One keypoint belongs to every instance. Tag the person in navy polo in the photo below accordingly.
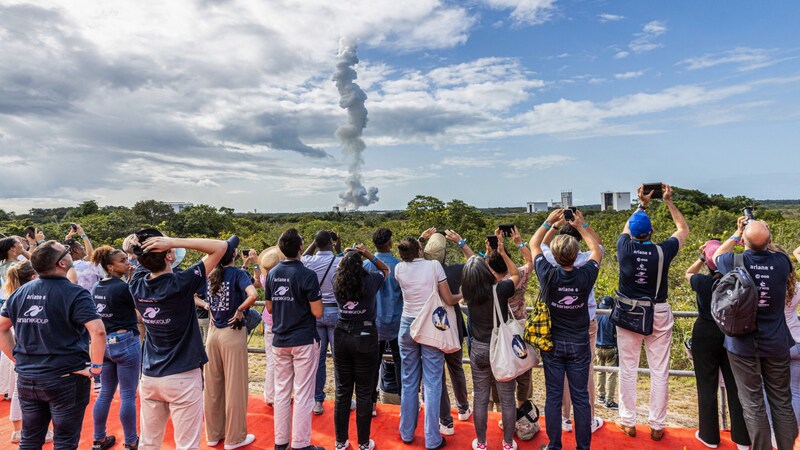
(173, 352)
(53, 322)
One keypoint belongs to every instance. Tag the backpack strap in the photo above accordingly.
(738, 260)
(660, 270)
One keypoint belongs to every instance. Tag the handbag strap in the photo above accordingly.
(546, 286)
(329, 269)
(497, 316)
(660, 270)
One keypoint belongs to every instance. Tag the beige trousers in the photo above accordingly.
(225, 394)
(179, 395)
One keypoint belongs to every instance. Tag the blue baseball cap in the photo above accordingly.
(639, 224)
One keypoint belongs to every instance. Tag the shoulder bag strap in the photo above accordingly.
(660, 270)
(498, 315)
(328, 270)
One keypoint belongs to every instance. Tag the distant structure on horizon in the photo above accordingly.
(566, 199)
(618, 201)
(534, 207)
(180, 206)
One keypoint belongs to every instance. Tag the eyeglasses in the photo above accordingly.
(66, 252)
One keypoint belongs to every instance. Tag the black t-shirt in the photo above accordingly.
(568, 298)
(453, 273)
(638, 267)
(115, 305)
(703, 286)
(771, 272)
(291, 287)
(481, 311)
(364, 307)
(173, 344)
(49, 317)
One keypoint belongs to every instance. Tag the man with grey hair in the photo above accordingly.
(760, 361)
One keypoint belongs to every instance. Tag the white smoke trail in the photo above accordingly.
(352, 99)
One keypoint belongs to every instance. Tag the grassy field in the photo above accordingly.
(682, 411)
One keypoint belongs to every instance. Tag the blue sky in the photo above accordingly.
(494, 102)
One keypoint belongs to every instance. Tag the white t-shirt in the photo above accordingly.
(791, 315)
(417, 279)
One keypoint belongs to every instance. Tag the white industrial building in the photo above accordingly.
(180, 206)
(534, 207)
(618, 201)
(566, 199)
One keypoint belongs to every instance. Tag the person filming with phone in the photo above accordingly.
(644, 268)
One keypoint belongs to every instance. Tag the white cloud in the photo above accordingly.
(525, 12)
(606, 17)
(628, 75)
(744, 58)
(621, 54)
(645, 41)
(532, 162)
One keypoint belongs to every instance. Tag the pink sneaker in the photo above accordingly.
(478, 445)
(511, 446)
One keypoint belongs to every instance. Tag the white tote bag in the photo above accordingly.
(509, 355)
(435, 325)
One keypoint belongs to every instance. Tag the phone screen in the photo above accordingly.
(506, 229)
(492, 241)
(655, 188)
(569, 215)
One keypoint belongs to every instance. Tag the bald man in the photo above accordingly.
(760, 361)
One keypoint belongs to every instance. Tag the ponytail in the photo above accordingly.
(215, 279)
(104, 255)
(17, 275)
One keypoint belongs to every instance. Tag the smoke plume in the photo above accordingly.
(352, 99)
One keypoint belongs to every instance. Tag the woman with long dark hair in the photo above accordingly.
(356, 353)
(709, 357)
(479, 285)
(123, 357)
(229, 293)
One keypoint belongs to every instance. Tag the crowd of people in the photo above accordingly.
(132, 320)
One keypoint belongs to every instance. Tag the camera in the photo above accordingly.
(747, 211)
(74, 226)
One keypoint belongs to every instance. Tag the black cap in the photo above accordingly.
(142, 236)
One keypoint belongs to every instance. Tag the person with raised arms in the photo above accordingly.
(172, 381)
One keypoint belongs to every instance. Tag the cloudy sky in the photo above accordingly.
(495, 102)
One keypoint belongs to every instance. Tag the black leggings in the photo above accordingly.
(356, 362)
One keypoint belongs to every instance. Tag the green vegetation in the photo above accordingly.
(708, 216)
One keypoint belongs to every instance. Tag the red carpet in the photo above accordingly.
(384, 432)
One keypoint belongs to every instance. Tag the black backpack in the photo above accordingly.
(734, 301)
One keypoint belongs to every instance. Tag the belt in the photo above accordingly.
(607, 346)
(353, 325)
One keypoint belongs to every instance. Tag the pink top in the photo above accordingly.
(266, 316)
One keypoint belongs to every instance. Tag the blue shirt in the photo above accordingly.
(49, 316)
(638, 267)
(389, 299)
(173, 342)
(567, 298)
(606, 332)
(115, 305)
(291, 287)
(771, 272)
(230, 296)
(319, 263)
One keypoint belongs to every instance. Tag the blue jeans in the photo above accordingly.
(121, 365)
(60, 398)
(426, 363)
(325, 326)
(572, 359)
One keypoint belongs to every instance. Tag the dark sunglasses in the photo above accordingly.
(66, 252)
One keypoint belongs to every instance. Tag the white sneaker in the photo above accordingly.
(465, 415)
(597, 423)
(247, 441)
(368, 446)
(352, 405)
(374, 410)
(342, 445)
(49, 436)
(697, 436)
(318, 410)
(478, 445)
(16, 436)
(447, 430)
(742, 447)
(566, 424)
(212, 443)
(511, 446)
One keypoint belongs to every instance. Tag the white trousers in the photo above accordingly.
(269, 376)
(657, 347)
(295, 369)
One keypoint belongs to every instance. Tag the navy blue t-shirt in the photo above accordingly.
(568, 298)
(364, 307)
(115, 305)
(49, 316)
(771, 272)
(173, 344)
(638, 267)
(230, 296)
(290, 287)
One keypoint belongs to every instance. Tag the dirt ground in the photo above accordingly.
(682, 410)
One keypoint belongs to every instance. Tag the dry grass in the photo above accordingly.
(682, 410)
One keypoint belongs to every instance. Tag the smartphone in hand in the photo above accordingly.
(506, 229)
(655, 188)
(492, 241)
